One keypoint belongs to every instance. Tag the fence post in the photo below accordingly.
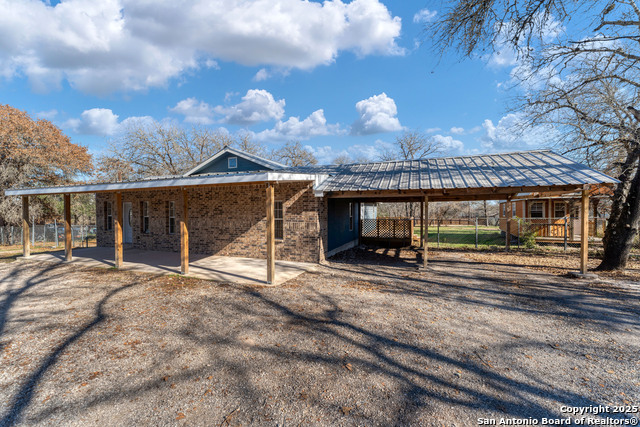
(13, 239)
(565, 233)
(518, 240)
(33, 232)
(476, 232)
(438, 233)
(55, 230)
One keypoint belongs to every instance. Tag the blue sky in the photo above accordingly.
(340, 77)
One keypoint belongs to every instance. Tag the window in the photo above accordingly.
(171, 217)
(350, 216)
(232, 162)
(108, 216)
(537, 210)
(504, 209)
(513, 209)
(144, 217)
(278, 215)
(559, 209)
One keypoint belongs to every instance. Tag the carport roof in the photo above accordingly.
(525, 169)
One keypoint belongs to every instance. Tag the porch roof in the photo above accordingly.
(169, 182)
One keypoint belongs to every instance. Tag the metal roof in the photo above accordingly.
(173, 181)
(511, 170)
(519, 169)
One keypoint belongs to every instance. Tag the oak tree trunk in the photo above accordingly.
(624, 221)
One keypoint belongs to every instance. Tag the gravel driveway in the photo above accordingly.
(366, 340)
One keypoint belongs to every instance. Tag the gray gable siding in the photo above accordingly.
(221, 165)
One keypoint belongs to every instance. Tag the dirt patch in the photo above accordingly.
(366, 340)
(554, 263)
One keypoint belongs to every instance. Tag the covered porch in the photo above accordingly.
(210, 267)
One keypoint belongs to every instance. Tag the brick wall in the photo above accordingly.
(227, 220)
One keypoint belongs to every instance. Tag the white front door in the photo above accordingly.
(127, 230)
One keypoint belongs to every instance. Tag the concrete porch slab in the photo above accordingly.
(217, 268)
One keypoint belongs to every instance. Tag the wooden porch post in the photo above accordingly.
(184, 234)
(507, 239)
(421, 222)
(26, 243)
(584, 233)
(118, 231)
(271, 231)
(425, 232)
(67, 228)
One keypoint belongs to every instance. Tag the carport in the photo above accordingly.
(467, 178)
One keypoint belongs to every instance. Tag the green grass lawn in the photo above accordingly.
(463, 236)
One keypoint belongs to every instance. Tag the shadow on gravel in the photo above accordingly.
(23, 398)
(396, 360)
(498, 285)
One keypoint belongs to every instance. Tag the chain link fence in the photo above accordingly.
(47, 236)
(543, 234)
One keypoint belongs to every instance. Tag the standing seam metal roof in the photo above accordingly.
(519, 169)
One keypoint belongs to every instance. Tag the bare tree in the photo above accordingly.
(342, 159)
(155, 149)
(412, 145)
(586, 85)
(293, 153)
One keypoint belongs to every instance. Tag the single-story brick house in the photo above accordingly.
(239, 204)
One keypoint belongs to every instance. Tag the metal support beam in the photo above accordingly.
(118, 231)
(271, 231)
(584, 231)
(26, 245)
(184, 234)
(67, 228)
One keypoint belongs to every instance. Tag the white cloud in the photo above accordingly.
(256, 106)
(424, 16)
(456, 130)
(96, 121)
(433, 130)
(261, 75)
(194, 111)
(102, 122)
(124, 45)
(377, 115)
(511, 133)
(294, 128)
(448, 144)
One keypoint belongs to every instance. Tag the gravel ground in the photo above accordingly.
(366, 340)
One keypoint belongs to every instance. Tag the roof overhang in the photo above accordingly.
(176, 182)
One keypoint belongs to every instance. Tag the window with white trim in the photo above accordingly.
(232, 162)
(559, 209)
(108, 216)
(144, 217)
(536, 210)
(513, 209)
(504, 209)
(278, 216)
(171, 217)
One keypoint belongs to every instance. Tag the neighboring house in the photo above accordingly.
(548, 212)
(238, 204)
